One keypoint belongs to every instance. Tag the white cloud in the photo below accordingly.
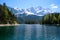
(53, 6)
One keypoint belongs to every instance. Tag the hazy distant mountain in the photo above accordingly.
(35, 18)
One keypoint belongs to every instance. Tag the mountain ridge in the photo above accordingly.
(31, 11)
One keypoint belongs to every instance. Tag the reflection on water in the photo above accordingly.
(30, 32)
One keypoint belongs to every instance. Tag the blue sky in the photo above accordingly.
(54, 5)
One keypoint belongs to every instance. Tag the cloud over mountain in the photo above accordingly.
(54, 6)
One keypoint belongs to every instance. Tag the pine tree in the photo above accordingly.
(5, 12)
(6, 16)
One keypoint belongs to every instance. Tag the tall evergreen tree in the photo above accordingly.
(5, 12)
(6, 16)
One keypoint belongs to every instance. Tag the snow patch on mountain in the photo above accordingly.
(29, 13)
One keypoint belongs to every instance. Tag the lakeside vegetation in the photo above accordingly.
(52, 18)
(6, 16)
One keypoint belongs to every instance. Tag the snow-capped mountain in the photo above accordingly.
(35, 14)
(38, 11)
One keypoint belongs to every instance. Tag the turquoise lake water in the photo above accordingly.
(30, 32)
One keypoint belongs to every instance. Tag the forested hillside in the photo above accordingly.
(52, 18)
(6, 16)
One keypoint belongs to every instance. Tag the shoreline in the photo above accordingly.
(9, 24)
(29, 24)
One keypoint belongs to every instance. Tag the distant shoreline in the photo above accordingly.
(19, 24)
(9, 24)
